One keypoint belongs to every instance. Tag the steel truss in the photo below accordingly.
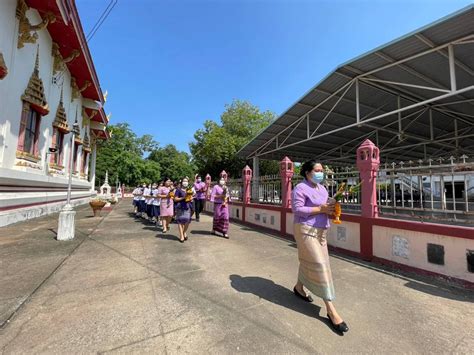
(417, 107)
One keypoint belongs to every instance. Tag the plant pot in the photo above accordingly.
(97, 206)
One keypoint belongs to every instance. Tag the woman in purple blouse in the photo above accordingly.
(312, 208)
(183, 208)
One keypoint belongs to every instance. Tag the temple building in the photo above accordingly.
(49, 96)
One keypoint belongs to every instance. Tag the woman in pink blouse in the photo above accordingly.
(166, 205)
(312, 208)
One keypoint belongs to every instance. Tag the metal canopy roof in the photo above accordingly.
(413, 97)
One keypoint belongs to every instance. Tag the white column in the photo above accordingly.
(256, 178)
(93, 158)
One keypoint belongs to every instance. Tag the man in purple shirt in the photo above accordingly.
(200, 188)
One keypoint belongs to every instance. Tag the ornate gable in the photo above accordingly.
(60, 121)
(86, 144)
(34, 93)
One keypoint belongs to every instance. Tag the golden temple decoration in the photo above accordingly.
(34, 93)
(86, 144)
(55, 166)
(86, 119)
(60, 121)
(74, 54)
(58, 64)
(27, 33)
(75, 94)
(105, 95)
(87, 83)
(27, 156)
(3, 67)
(77, 133)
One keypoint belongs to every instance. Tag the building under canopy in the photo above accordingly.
(413, 97)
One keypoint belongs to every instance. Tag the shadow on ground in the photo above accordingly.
(272, 292)
(422, 283)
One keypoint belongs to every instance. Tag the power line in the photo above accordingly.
(101, 19)
(96, 27)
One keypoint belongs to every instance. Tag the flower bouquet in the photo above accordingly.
(189, 194)
(171, 194)
(225, 194)
(341, 192)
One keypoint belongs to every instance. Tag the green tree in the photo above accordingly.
(174, 164)
(122, 157)
(216, 145)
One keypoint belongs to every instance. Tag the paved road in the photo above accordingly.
(126, 288)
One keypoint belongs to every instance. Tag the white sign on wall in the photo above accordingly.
(341, 233)
(400, 247)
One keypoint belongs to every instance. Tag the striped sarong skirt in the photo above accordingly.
(220, 223)
(183, 216)
(314, 270)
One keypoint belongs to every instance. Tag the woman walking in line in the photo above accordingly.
(141, 202)
(155, 211)
(148, 193)
(183, 199)
(166, 206)
(220, 197)
(136, 200)
(200, 188)
(311, 209)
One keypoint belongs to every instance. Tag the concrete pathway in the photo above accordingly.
(124, 287)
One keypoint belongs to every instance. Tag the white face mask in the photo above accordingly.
(198, 180)
(185, 184)
(222, 182)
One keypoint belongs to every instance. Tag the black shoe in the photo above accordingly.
(306, 298)
(341, 327)
(197, 219)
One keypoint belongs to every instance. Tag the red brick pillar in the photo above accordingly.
(208, 187)
(368, 162)
(286, 173)
(246, 178)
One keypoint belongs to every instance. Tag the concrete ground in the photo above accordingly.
(123, 287)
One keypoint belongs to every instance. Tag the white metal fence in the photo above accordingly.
(267, 189)
(236, 188)
(439, 190)
(431, 190)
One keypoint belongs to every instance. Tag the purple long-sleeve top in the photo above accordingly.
(200, 188)
(305, 198)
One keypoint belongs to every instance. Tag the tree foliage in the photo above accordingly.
(216, 145)
(122, 157)
(174, 164)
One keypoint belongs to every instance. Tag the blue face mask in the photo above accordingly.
(317, 177)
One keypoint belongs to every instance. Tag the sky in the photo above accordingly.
(169, 65)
